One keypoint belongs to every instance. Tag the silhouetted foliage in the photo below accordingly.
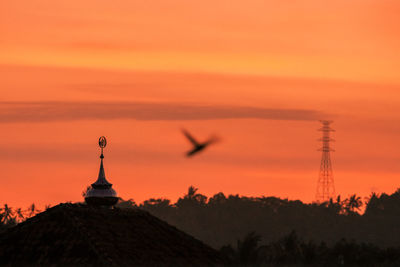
(7, 214)
(293, 251)
(126, 204)
(327, 230)
(86, 190)
(10, 217)
(221, 220)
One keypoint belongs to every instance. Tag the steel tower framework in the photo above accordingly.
(325, 186)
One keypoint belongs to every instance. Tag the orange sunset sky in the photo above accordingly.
(258, 73)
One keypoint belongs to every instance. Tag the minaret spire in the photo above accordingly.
(101, 171)
(101, 180)
(101, 193)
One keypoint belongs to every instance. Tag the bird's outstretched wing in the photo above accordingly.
(213, 139)
(191, 138)
(191, 152)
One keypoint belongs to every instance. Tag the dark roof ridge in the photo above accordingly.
(82, 235)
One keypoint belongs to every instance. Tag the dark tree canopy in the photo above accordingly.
(250, 230)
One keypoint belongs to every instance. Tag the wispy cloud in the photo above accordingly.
(70, 111)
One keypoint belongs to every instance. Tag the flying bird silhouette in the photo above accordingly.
(198, 146)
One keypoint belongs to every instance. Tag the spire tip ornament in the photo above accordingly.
(102, 144)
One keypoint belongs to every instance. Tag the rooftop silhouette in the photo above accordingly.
(76, 234)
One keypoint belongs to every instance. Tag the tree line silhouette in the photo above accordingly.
(10, 217)
(291, 250)
(221, 220)
(256, 229)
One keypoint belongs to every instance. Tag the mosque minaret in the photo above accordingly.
(101, 192)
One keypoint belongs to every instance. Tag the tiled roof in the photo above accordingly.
(79, 235)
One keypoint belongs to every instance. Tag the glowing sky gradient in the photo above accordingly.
(257, 73)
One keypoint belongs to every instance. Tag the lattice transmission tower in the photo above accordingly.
(326, 186)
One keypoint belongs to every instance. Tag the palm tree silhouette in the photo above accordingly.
(192, 195)
(354, 203)
(191, 192)
(7, 213)
(19, 214)
(32, 210)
